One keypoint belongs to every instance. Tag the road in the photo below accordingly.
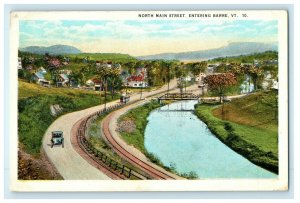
(66, 160)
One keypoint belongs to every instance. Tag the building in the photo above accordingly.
(62, 80)
(20, 63)
(211, 68)
(42, 70)
(39, 78)
(137, 81)
(269, 81)
(200, 78)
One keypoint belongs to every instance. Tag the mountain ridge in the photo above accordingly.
(54, 49)
(232, 49)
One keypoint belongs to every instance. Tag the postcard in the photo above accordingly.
(149, 100)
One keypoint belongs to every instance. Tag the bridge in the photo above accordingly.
(178, 96)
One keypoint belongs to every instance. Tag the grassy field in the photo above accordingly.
(248, 125)
(115, 57)
(34, 110)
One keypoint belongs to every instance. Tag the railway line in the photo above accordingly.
(118, 148)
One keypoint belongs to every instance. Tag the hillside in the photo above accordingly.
(116, 57)
(55, 49)
(248, 126)
(34, 110)
(232, 49)
(264, 56)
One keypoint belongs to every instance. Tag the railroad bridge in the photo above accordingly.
(178, 96)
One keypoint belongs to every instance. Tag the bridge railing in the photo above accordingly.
(179, 96)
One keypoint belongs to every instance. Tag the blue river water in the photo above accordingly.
(179, 139)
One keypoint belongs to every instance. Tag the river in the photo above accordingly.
(179, 139)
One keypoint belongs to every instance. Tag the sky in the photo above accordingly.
(141, 37)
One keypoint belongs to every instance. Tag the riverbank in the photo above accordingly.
(257, 143)
(131, 127)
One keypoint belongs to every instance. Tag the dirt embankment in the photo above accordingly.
(31, 168)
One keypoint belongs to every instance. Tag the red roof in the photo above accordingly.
(137, 78)
(96, 81)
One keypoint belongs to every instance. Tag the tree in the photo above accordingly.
(199, 67)
(254, 73)
(180, 73)
(104, 74)
(219, 82)
(167, 71)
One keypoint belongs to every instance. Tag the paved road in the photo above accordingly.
(67, 161)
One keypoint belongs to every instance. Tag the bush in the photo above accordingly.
(228, 127)
(191, 175)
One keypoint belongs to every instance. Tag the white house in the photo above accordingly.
(269, 82)
(136, 81)
(200, 78)
(188, 78)
(42, 70)
(62, 80)
(39, 78)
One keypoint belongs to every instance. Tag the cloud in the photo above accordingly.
(142, 37)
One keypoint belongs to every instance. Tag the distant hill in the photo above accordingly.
(54, 50)
(232, 49)
(115, 57)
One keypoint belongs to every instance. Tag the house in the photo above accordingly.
(97, 84)
(67, 72)
(269, 81)
(89, 82)
(211, 68)
(39, 78)
(62, 80)
(136, 81)
(200, 78)
(188, 78)
(19, 63)
(42, 70)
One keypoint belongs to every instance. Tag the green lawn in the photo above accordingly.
(248, 133)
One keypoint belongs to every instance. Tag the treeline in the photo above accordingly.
(265, 56)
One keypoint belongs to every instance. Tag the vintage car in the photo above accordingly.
(57, 138)
(124, 99)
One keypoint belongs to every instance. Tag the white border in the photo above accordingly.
(178, 185)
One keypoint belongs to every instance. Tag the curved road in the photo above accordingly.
(66, 160)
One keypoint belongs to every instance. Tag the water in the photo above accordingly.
(180, 139)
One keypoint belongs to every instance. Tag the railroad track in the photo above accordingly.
(118, 148)
(113, 168)
(100, 160)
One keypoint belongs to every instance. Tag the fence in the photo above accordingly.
(119, 169)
